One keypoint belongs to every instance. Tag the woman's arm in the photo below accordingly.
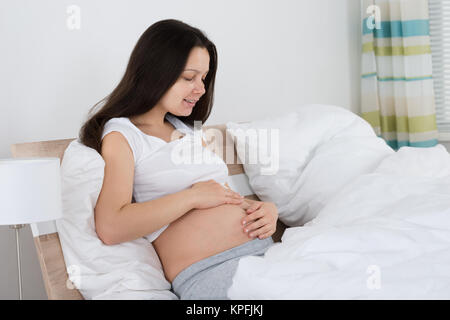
(118, 220)
(135, 220)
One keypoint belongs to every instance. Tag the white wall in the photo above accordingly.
(273, 55)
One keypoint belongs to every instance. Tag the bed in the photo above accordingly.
(46, 239)
(357, 220)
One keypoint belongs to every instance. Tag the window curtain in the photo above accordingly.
(396, 83)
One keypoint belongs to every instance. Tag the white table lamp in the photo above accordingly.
(30, 192)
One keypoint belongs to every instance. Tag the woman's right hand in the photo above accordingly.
(209, 194)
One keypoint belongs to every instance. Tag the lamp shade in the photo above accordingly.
(30, 190)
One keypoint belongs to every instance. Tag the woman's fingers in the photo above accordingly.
(263, 230)
(253, 207)
(233, 194)
(266, 235)
(259, 222)
(252, 216)
(233, 198)
(255, 225)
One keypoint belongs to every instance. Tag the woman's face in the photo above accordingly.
(189, 86)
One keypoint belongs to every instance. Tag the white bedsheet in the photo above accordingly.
(385, 235)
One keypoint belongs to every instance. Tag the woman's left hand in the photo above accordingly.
(261, 220)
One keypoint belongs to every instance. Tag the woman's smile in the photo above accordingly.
(189, 104)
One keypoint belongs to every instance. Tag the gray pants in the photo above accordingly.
(211, 277)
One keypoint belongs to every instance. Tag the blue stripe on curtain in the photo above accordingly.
(405, 79)
(374, 74)
(393, 29)
(395, 144)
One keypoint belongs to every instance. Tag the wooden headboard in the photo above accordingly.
(49, 251)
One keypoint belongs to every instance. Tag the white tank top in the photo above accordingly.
(162, 168)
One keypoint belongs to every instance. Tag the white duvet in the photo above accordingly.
(377, 221)
(383, 235)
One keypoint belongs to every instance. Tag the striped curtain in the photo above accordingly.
(396, 83)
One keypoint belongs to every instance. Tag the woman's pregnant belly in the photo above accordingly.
(198, 234)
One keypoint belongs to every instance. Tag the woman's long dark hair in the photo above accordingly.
(155, 64)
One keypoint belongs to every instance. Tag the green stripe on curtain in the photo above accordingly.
(373, 118)
(401, 124)
(397, 50)
(367, 47)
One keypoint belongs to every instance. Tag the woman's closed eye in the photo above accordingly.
(192, 79)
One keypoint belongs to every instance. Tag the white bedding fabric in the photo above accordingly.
(320, 149)
(384, 235)
(379, 221)
(129, 270)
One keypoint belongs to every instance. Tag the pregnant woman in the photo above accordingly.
(198, 226)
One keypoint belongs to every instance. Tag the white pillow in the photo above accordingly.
(314, 151)
(130, 270)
